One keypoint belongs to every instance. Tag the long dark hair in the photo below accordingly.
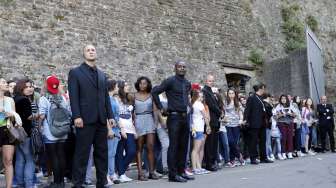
(235, 99)
(20, 86)
(111, 84)
(287, 100)
(220, 101)
(312, 105)
(122, 95)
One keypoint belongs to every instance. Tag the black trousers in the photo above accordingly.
(324, 130)
(56, 154)
(257, 137)
(178, 132)
(211, 148)
(95, 134)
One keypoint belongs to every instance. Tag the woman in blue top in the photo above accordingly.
(114, 132)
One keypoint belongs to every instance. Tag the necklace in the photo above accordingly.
(261, 103)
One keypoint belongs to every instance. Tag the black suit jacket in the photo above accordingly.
(89, 100)
(323, 114)
(254, 113)
(214, 108)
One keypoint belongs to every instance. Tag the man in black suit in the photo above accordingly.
(211, 142)
(177, 90)
(92, 114)
(326, 123)
(254, 116)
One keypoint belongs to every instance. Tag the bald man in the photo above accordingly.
(325, 114)
(211, 142)
(92, 115)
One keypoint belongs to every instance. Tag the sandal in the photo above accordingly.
(142, 178)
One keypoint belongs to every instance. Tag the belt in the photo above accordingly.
(178, 113)
(144, 113)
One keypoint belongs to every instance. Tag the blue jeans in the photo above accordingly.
(313, 135)
(112, 150)
(224, 144)
(277, 145)
(129, 146)
(24, 165)
(233, 134)
(268, 143)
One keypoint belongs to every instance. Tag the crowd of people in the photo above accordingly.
(176, 128)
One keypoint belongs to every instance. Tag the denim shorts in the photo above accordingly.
(199, 136)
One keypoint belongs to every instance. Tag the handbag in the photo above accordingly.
(17, 134)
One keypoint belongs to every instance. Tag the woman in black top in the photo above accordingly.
(24, 164)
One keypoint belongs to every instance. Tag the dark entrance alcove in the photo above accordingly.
(237, 81)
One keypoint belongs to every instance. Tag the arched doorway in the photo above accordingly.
(237, 81)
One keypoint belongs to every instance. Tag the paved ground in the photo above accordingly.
(309, 172)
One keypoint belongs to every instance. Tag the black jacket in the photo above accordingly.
(177, 89)
(254, 112)
(89, 99)
(214, 108)
(23, 108)
(323, 114)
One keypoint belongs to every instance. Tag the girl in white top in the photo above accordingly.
(200, 119)
(126, 148)
(7, 107)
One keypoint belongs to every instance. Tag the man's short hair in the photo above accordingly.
(259, 86)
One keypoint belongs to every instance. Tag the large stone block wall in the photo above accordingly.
(145, 37)
(133, 37)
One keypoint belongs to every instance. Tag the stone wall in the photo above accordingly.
(145, 37)
(133, 37)
(288, 75)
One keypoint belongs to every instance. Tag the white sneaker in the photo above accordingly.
(115, 177)
(290, 155)
(280, 157)
(284, 156)
(300, 154)
(109, 181)
(123, 178)
(272, 157)
(310, 152)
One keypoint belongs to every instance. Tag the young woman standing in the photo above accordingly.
(234, 117)
(7, 107)
(145, 113)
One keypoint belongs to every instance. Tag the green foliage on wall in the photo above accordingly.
(255, 57)
(312, 23)
(292, 28)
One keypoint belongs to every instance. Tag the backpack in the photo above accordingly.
(60, 121)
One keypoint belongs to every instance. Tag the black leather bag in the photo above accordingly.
(17, 134)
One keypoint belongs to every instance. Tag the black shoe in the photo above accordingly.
(177, 178)
(212, 168)
(254, 162)
(333, 151)
(266, 161)
(78, 186)
(88, 184)
(116, 181)
(187, 177)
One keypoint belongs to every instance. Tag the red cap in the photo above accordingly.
(52, 84)
(195, 86)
